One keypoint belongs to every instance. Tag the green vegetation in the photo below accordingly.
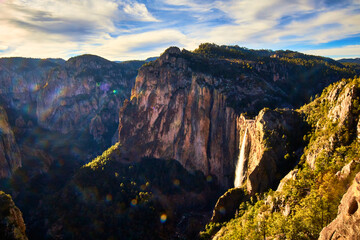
(282, 76)
(110, 198)
(304, 206)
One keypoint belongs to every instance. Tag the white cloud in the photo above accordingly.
(49, 28)
(138, 11)
(134, 46)
(339, 52)
(3, 47)
(278, 22)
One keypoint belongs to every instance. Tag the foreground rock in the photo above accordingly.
(347, 223)
(12, 225)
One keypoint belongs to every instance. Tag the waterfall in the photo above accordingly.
(240, 165)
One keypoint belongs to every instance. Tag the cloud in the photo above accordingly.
(65, 18)
(142, 45)
(3, 47)
(127, 29)
(138, 12)
(278, 22)
(338, 52)
(71, 17)
(47, 28)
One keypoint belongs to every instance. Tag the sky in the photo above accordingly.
(128, 29)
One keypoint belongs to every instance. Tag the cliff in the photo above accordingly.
(10, 157)
(185, 104)
(307, 198)
(173, 113)
(59, 109)
(347, 224)
(273, 146)
(82, 94)
(334, 120)
(12, 225)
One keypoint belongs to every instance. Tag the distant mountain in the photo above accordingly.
(350, 60)
(151, 59)
(82, 94)
(146, 60)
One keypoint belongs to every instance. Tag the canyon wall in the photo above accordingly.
(273, 146)
(174, 113)
(186, 106)
(10, 157)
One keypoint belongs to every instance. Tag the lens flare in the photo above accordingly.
(134, 202)
(109, 197)
(176, 182)
(163, 218)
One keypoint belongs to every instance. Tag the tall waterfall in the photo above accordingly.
(239, 172)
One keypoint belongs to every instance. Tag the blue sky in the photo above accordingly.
(127, 29)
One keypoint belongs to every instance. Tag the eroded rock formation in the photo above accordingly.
(347, 223)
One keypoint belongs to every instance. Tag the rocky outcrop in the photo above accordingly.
(12, 225)
(348, 169)
(290, 176)
(10, 157)
(347, 223)
(273, 147)
(228, 204)
(337, 120)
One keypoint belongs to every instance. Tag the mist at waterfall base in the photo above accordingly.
(240, 166)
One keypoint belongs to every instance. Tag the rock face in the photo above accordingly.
(185, 106)
(347, 223)
(81, 94)
(87, 90)
(56, 106)
(21, 79)
(12, 225)
(174, 114)
(10, 157)
(272, 147)
(340, 103)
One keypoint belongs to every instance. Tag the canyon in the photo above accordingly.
(175, 128)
